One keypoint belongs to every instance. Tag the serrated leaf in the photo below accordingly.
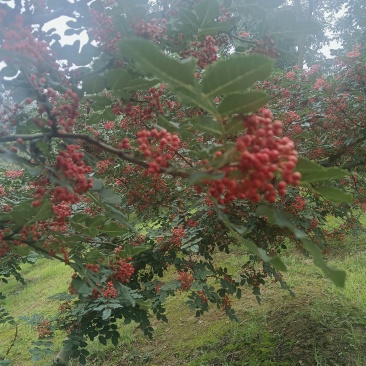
(140, 84)
(207, 10)
(97, 184)
(235, 74)
(144, 304)
(334, 195)
(313, 172)
(113, 230)
(94, 84)
(277, 263)
(178, 74)
(81, 287)
(207, 124)
(108, 196)
(242, 103)
(213, 28)
(132, 251)
(235, 125)
(152, 60)
(337, 276)
(117, 79)
(106, 313)
(277, 217)
(199, 176)
(119, 216)
(169, 126)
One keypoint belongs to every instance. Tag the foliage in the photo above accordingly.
(150, 147)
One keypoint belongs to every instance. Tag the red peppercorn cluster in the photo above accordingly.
(44, 329)
(122, 269)
(186, 279)
(259, 154)
(92, 267)
(161, 152)
(205, 51)
(150, 104)
(109, 291)
(20, 40)
(150, 30)
(71, 164)
(62, 210)
(103, 31)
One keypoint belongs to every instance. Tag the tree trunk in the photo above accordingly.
(63, 357)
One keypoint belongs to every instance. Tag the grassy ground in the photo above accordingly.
(322, 325)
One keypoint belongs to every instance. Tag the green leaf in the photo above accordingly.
(117, 79)
(334, 195)
(235, 74)
(106, 313)
(108, 196)
(242, 103)
(277, 217)
(277, 263)
(94, 84)
(313, 172)
(207, 124)
(207, 10)
(190, 19)
(198, 176)
(132, 251)
(81, 287)
(152, 60)
(119, 216)
(94, 222)
(337, 276)
(235, 125)
(213, 28)
(94, 118)
(144, 304)
(169, 126)
(113, 230)
(140, 84)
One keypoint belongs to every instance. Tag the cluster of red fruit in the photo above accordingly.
(20, 40)
(150, 30)
(44, 329)
(161, 152)
(258, 156)
(109, 291)
(186, 280)
(205, 51)
(123, 270)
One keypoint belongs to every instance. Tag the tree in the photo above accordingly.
(151, 147)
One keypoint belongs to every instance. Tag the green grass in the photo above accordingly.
(323, 325)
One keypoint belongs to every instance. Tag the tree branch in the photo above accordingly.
(102, 145)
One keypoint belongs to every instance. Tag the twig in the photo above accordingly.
(13, 342)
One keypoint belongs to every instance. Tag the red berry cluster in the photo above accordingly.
(186, 279)
(150, 30)
(205, 51)
(71, 164)
(92, 267)
(20, 40)
(109, 291)
(151, 103)
(44, 329)
(62, 210)
(161, 152)
(103, 31)
(122, 269)
(258, 155)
